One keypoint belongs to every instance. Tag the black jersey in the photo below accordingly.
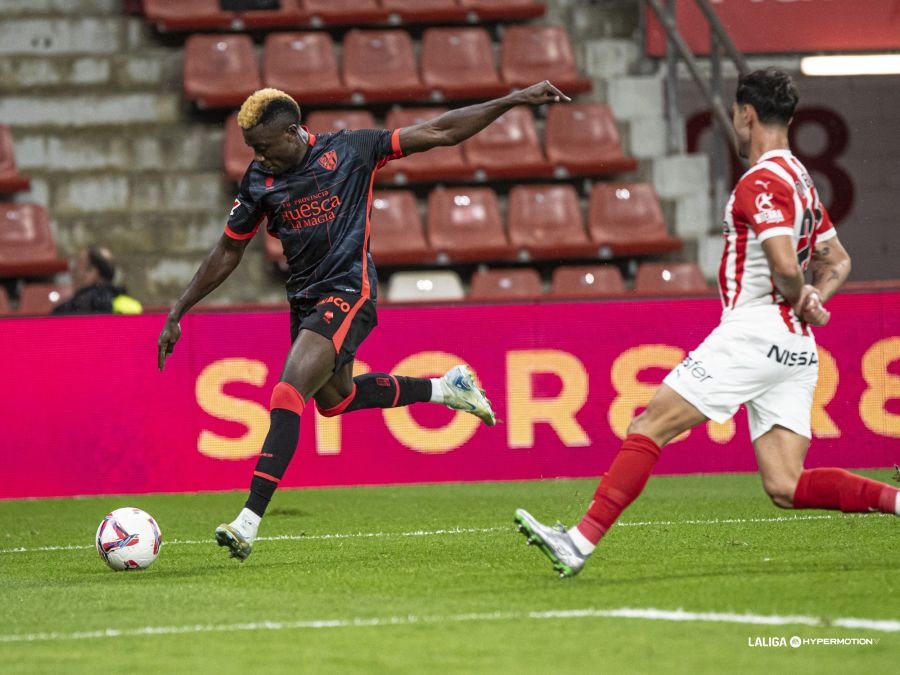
(320, 211)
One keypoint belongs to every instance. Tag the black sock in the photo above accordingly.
(380, 390)
(276, 454)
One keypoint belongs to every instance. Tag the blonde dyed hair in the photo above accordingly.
(255, 106)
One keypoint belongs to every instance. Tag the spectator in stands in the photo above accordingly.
(95, 292)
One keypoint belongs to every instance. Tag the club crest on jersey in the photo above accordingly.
(329, 160)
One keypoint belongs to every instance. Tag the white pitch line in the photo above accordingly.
(430, 533)
(648, 614)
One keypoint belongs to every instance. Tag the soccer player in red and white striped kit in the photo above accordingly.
(762, 354)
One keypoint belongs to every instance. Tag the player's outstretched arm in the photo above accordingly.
(218, 264)
(830, 267)
(455, 126)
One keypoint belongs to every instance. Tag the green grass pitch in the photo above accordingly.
(435, 579)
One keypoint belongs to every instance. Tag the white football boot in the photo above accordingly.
(461, 392)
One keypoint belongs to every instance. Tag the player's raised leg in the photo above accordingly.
(457, 389)
(666, 416)
(780, 453)
(308, 366)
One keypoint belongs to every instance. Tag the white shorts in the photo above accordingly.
(752, 358)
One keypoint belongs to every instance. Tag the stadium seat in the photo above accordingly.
(545, 221)
(425, 286)
(507, 148)
(343, 12)
(397, 236)
(503, 10)
(305, 66)
(594, 281)
(662, 278)
(238, 154)
(5, 307)
(423, 11)
(530, 54)
(380, 65)
(464, 224)
(518, 284)
(185, 15)
(220, 70)
(438, 164)
(40, 299)
(625, 219)
(289, 14)
(27, 248)
(584, 139)
(10, 178)
(324, 121)
(459, 63)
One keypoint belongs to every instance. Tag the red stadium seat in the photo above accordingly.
(584, 139)
(437, 164)
(530, 54)
(508, 148)
(464, 224)
(519, 284)
(305, 66)
(661, 278)
(238, 154)
(10, 178)
(5, 307)
(424, 11)
(459, 63)
(27, 248)
(397, 236)
(625, 219)
(220, 70)
(546, 222)
(380, 65)
(324, 121)
(588, 281)
(40, 299)
(184, 15)
(342, 12)
(504, 10)
(290, 13)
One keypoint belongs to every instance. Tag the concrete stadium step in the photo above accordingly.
(86, 110)
(157, 192)
(170, 147)
(160, 232)
(157, 70)
(160, 279)
(19, 8)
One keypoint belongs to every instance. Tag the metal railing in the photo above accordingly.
(720, 46)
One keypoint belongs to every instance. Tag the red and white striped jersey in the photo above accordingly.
(775, 197)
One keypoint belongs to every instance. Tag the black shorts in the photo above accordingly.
(344, 318)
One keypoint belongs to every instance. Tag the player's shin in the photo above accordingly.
(381, 390)
(840, 490)
(284, 432)
(621, 485)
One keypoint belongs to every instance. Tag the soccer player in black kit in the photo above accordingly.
(315, 192)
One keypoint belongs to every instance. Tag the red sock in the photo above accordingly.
(621, 485)
(841, 490)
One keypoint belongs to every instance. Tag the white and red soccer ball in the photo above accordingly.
(128, 539)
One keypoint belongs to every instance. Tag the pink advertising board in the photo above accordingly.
(84, 411)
